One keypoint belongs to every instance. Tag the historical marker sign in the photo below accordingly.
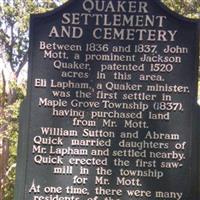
(111, 105)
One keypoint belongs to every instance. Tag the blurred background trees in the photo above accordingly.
(14, 15)
(187, 8)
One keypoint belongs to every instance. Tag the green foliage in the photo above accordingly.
(187, 8)
(14, 15)
(10, 120)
